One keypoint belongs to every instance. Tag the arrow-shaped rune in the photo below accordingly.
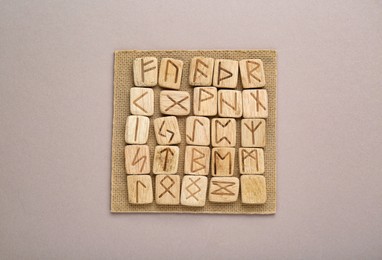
(166, 151)
(168, 131)
(136, 189)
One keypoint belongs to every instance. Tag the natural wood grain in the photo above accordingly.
(139, 189)
(137, 129)
(230, 103)
(223, 132)
(197, 160)
(166, 159)
(225, 73)
(253, 133)
(222, 161)
(167, 189)
(137, 159)
(252, 73)
(197, 130)
(173, 102)
(251, 160)
(167, 130)
(194, 191)
(201, 71)
(170, 73)
(142, 101)
(145, 72)
(255, 103)
(253, 189)
(205, 101)
(223, 189)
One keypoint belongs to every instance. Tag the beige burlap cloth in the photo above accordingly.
(123, 81)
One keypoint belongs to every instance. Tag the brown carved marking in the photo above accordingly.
(216, 131)
(136, 189)
(223, 101)
(258, 102)
(210, 96)
(167, 189)
(195, 160)
(217, 154)
(136, 129)
(168, 131)
(138, 98)
(220, 68)
(245, 154)
(193, 131)
(167, 150)
(223, 188)
(250, 73)
(174, 103)
(176, 69)
(143, 70)
(192, 194)
(136, 160)
(253, 129)
(199, 61)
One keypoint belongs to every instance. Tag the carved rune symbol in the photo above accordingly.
(137, 160)
(168, 187)
(198, 61)
(168, 131)
(216, 135)
(209, 94)
(136, 189)
(167, 151)
(143, 70)
(245, 154)
(176, 103)
(194, 160)
(223, 188)
(220, 68)
(193, 193)
(250, 73)
(222, 158)
(253, 129)
(138, 98)
(258, 102)
(223, 101)
(193, 131)
(176, 70)
(136, 129)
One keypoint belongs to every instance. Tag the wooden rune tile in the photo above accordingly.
(230, 103)
(137, 159)
(197, 160)
(253, 133)
(255, 103)
(139, 189)
(142, 101)
(223, 132)
(170, 73)
(251, 160)
(197, 130)
(223, 189)
(167, 130)
(223, 161)
(173, 102)
(253, 189)
(205, 101)
(194, 191)
(145, 72)
(201, 71)
(167, 189)
(252, 73)
(225, 73)
(137, 129)
(166, 159)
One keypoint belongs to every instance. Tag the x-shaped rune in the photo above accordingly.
(223, 188)
(176, 103)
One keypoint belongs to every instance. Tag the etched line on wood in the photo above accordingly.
(136, 189)
(143, 70)
(192, 194)
(216, 131)
(167, 151)
(168, 131)
(136, 160)
(138, 98)
(136, 129)
(250, 73)
(223, 188)
(245, 154)
(193, 130)
(223, 101)
(220, 68)
(176, 70)
(253, 129)
(167, 188)
(210, 96)
(194, 160)
(222, 158)
(199, 61)
(175, 103)
(258, 102)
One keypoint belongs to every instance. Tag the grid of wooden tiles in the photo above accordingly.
(210, 134)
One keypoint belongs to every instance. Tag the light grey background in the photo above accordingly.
(56, 68)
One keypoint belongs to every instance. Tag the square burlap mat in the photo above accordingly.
(123, 81)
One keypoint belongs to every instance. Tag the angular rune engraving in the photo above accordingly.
(205, 101)
(224, 189)
(230, 103)
(223, 132)
(225, 73)
(253, 129)
(167, 189)
(142, 101)
(166, 159)
(139, 189)
(251, 160)
(194, 189)
(255, 103)
(135, 102)
(145, 71)
(170, 73)
(220, 69)
(173, 102)
(252, 73)
(198, 130)
(167, 130)
(201, 70)
(137, 159)
(192, 193)
(176, 70)
(197, 159)
(253, 132)
(137, 129)
(222, 162)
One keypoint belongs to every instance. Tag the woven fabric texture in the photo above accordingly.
(123, 81)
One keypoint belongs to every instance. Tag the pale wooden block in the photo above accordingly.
(167, 189)
(223, 189)
(230, 103)
(170, 73)
(223, 132)
(225, 73)
(166, 159)
(223, 161)
(201, 71)
(142, 101)
(173, 102)
(194, 191)
(251, 160)
(139, 189)
(205, 101)
(197, 130)
(253, 189)
(252, 73)
(253, 133)
(145, 71)
(137, 129)
(197, 160)
(167, 130)
(255, 103)
(137, 159)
